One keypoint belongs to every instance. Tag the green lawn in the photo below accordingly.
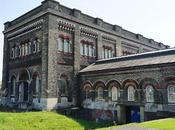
(55, 121)
(162, 124)
(43, 121)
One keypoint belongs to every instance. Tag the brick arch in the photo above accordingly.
(98, 84)
(166, 81)
(63, 76)
(129, 82)
(113, 82)
(24, 74)
(85, 85)
(149, 81)
(12, 76)
(36, 73)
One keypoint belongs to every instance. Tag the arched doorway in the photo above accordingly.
(23, 88)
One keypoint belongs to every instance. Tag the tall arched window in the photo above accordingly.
(100, 93)
(36, 86)
(87, 92)
(149, 93)
(60, 44)
(34, 46)
(171, 93)
(29, 48)
(13, 85)
(131, 92)
(66, 45)
(114, 92)
(38, 45)
(26, 49)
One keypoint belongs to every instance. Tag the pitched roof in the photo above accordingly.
(142, 59)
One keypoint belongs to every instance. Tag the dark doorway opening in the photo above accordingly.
(26, 92)
(132, 114)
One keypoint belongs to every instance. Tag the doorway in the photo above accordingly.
(132, 114)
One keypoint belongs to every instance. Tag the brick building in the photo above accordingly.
(130, 88)
(45, 48)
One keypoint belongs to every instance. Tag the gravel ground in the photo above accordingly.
(132, 128)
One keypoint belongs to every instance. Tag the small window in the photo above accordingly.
(26, 49)
(60, 44)
(81, 49)
(70, 46)
(85, 49)
(131, 92)
(171, 94)
(23, 50)
(38, 45)
(34, 46)
(13, 53)
(100, 93)
(66, 45)
(87, 92)
(29, 48)
(149, 93)
(114, 92)
(90, 50)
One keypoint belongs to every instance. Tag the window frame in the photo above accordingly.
(131, 94)
(171, 98)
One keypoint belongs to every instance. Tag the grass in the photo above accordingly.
(162, 124)
(43, 121)
(55, 121)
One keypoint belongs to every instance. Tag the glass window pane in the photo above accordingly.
(131, 92)
(66, 45)
(90, 50)
(81, 49)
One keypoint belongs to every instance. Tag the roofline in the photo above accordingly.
(122, 69)
(138, 56)
(117, 29)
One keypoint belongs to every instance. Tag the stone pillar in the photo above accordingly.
(6, 56)
(142, 113)
(121, 114)
(44, 58)
(76, 49)
(99, 46)
(118, 47)
(76, 65)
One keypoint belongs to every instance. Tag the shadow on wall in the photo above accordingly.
(84, 118)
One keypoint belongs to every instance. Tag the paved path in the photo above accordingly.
(132, 128)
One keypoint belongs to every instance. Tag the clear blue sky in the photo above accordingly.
(151, 18)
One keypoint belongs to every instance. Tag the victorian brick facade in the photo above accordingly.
(45, 48)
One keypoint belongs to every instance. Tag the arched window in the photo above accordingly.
(60, 44)
(20, 50)
(26, 49)
(114, 92)
(81, 49)
(149, 93)
(131, 92)
(13, 85)
(23, 50)
(171, 93)
(36, 86)
(66, 45)
(34, 46)
(87, 92)
(100, 93)
(13, 53)
(38, 45)
(29, 48)
(63, 85)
